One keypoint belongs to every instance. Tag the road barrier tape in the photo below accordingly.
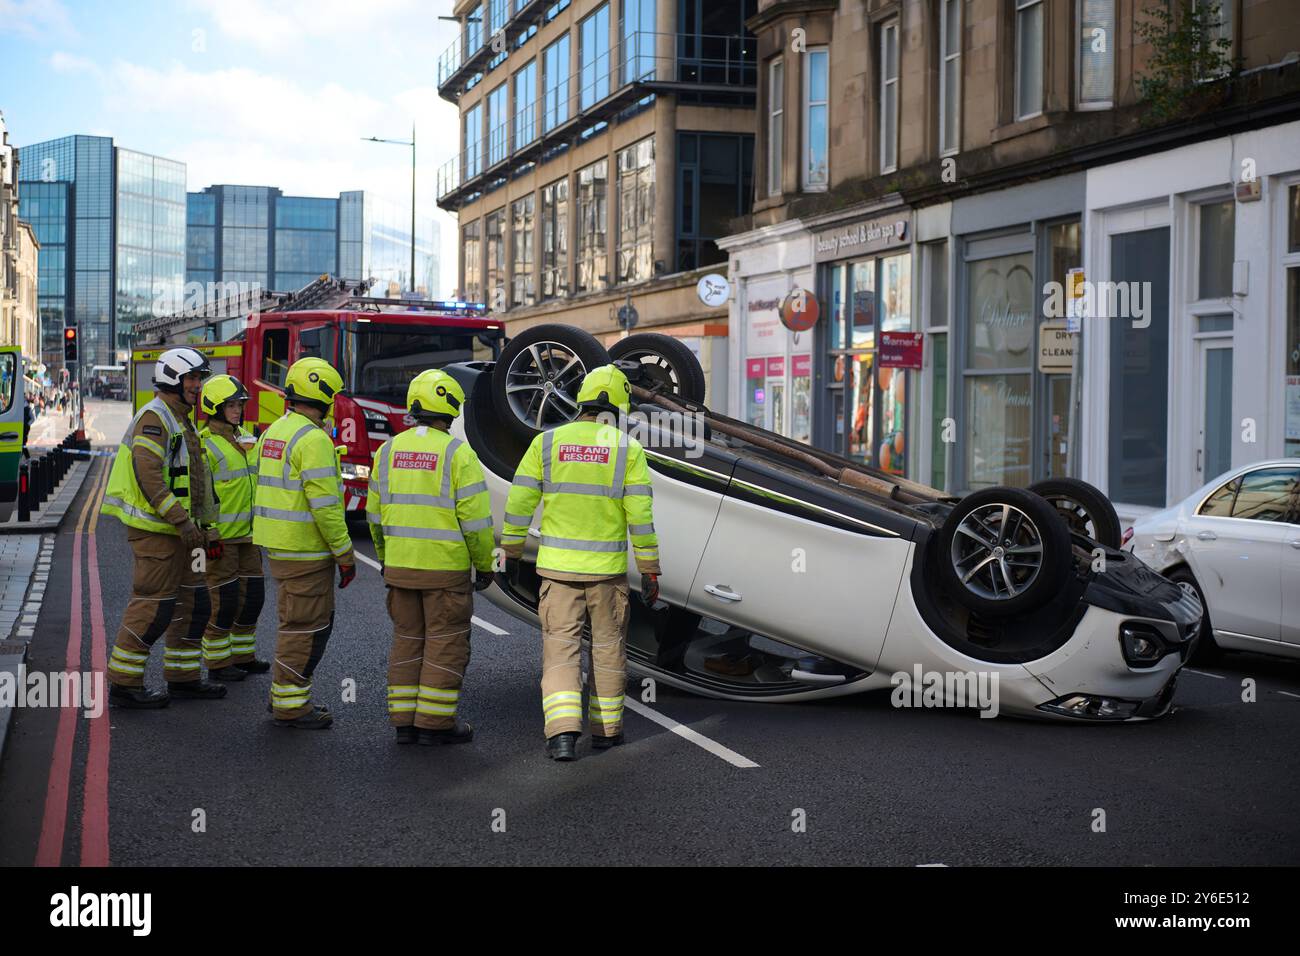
(93, 453)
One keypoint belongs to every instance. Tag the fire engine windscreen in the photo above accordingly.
(379, 361)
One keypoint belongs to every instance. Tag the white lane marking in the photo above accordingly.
(1289, 694)
(490, 628)
(712, 746)
(1205, 674)
(923, 865)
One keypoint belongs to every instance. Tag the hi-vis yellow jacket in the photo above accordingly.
(234, 478)
(594, 487)
(428, 504)
(298, 507)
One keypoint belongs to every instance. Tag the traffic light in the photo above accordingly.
(70, 344)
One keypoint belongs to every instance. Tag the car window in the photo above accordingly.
(1266, 495)
(1219, 504)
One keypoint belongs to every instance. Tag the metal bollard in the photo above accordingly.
(24, 494)
(46, 474)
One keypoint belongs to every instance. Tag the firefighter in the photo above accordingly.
(235, 585)
(594, 486)
(431, 521)
(160, 489)
(298, 517)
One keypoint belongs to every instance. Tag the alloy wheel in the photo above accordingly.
(997, 551)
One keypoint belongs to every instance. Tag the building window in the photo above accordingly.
(471, 286)
(555, 79)
(715, 175)
(889, 97)
(1096, 74)
(555, 239)
(526, 105)
(473, 141)
(498, 122)
(1217, 244)
(497, 13)
(775, 124)
(1029, 58)
(494, 225)
(816, 80)
(950, 77)
(473, 30)
(1219, 28)
(638, 38)
(636, 211)
(593, 50)
(523, 282)
(593, 226)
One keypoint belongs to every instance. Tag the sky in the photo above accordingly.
(243, 91)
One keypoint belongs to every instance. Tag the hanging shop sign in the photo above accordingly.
(799, 310)
(713, 290)
(863, 238)
(1055, 348)
(900, 349)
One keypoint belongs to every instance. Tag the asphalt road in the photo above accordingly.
(1212, 784)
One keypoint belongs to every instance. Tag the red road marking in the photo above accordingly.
(49, 852)
(94, 809)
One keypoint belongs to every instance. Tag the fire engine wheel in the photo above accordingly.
(535, 383)
(1003, 551)
(1085, 509)
(665, 361)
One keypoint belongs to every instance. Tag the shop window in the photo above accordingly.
(1217, 245)
(1095, 79)
(1029, 58)
(715, 182)
(950, 76)
(636, 199)
(816, 84)
(888, 106)
(555, 239)
(523, 282)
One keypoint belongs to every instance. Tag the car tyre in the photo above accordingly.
(1085, 509)
(1207, 649)
(1003, 551)
(536, 380)
(665, 361)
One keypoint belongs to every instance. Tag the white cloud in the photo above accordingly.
(63, 62)
(35, 18)
(272, 27)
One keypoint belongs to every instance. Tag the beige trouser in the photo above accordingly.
(305, 606)
(168, 600)
(426, 665)
(236, 590)
(564, 608)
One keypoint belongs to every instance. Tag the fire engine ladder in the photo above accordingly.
(324, 293)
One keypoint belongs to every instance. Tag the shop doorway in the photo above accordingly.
(1214, 407)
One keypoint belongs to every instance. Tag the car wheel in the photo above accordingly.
(665, 361)
(536, 380)
(1003, 551)
(1085, 509)
(1207, 650)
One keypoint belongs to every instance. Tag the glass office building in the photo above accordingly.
(257, 234)
(114, 222)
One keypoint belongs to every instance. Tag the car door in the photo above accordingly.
(1291, 574)
(1234, 544)
(798, 560)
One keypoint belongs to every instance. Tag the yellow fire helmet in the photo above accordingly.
(314, 380)
(434, 392)
(220, 389)
(606, 386)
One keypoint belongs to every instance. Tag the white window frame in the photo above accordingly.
(949, 59)
(1021, 7)
(806, 138)
(1079, 102)
(775, 124)
(888, 88)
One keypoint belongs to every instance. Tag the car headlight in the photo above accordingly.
(1142, 645)
(1091, 707)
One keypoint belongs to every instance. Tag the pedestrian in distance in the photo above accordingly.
(593, 484)
(160, 489)
(431, 521)
(298, 517)
(235, 584)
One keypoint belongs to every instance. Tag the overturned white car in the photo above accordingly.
(791, 574)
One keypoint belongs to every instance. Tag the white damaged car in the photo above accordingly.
(792, 574)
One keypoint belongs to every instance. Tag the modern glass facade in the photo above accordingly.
(120, 216)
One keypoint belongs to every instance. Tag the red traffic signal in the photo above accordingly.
(70, 344)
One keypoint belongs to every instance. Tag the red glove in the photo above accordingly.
(346, 573)
(649, 589)
(215, 550)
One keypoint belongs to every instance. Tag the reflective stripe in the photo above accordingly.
(469, 491)
(182, 653)
(620, 465)
(281, 514)
(641, 528)
(478, 524)
(548, 442)
(400, 706)
(148, 444)
(298, 555)
(287, 484)
(340, 551)
(402, 690)
(436, 710)
(430, 501)
(310, 473)
(580, 488)
(324, 501)
(578, 544)
(138, 513)
(167, 503)
(518, 519)
(116, 665)
(230, 475)
(374, 518)
(527, 481)
(638, 490)
(450, 454)
(231, 519)
(288, 448)
(560, 695)
(129, 655)
(430, 534)
(439, 693)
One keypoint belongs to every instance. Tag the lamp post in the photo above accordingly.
(411, 143)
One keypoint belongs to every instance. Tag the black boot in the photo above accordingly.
(562, 747)
(254, 666)
(407, 735)
(140, 698)
(197, 690)
(318, 718)
(604, 743)
(228, 674)
(462, 733)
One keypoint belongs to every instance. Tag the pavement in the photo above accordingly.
(845, 781)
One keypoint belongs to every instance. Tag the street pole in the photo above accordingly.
(412, 208)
